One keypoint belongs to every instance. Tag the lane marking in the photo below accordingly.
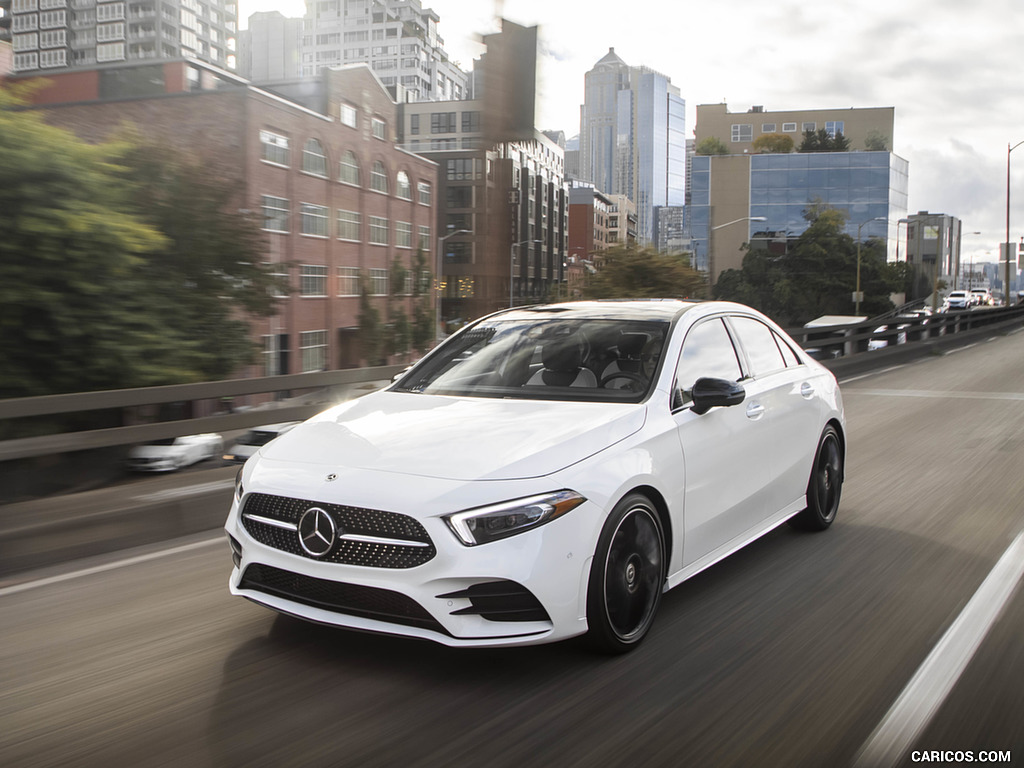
(935, 678)
(15, 588)
(931, 393)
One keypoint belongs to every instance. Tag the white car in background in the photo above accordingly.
(173, 453)
(982, 297)
(246, 445)
(546, 472)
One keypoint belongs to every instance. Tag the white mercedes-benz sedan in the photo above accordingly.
(546, 472)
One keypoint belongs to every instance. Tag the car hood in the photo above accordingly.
(456, 438)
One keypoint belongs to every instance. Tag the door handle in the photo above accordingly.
(755, 411)
(807, 389)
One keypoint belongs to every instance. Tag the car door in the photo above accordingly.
(791, 413)
(725, 471)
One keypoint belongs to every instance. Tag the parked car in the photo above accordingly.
(174, 453)
(246, 445)
(957, 300)
(982, 297)
(886, 334)
(583, 459)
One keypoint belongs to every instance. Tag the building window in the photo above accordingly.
(789, 127)
(313, 280)
(379, 178)
(348, 115)
(768, 128)
(742, 132)
(463, 169)
(424, 192)
(348, 170)
(348, 281)
(314, 160)
(313, 349)
(403, 188)
(443, 122)
(271, 357)
(378, 282)
(424, 240)
(470, 122)
(110, 52)
(812, 127)
(403, 234)
(833, 127)
(274, 148)
(414, 124)
(275, 213)
(380, 129)
(349, 225)
(378, 231)
(314, 220)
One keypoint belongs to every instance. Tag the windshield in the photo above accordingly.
(548, 359)
(257, 437)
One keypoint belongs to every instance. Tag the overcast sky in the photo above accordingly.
(953, 70)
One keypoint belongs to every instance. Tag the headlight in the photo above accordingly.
(498, 521)
(239, 490)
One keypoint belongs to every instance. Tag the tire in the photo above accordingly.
(626, 577)
(825, 486)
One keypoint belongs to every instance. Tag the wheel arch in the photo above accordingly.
(837, 425)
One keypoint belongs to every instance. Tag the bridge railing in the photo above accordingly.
(320, 390)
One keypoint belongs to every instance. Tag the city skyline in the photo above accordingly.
(949, 70)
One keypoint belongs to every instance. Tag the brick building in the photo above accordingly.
(339, 200)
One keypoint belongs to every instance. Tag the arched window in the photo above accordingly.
(348, 171)
(313, 158)
(402, 186)
(379, 177)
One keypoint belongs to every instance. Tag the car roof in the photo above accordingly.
(612, 309)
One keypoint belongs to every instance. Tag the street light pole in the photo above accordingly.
(1006, 285)
(438, 278)
(711, 250)
(856, 295)
(511, 267)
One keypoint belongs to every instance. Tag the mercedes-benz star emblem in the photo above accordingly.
(330, 478)
(316, 532)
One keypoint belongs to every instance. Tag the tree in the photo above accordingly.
(371, 333)
(423, 308)
(209, 276)
(816, 277)
(71, 315)
(822, 141)
(876, 142)
(711, 146)
(633, 272)
(773, 143)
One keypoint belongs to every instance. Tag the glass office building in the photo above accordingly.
(864, 185)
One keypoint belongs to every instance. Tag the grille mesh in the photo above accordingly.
(349, 520)
(350, 599)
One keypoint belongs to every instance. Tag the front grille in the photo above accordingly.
(378, 539)
(500, 601)
(349, 599)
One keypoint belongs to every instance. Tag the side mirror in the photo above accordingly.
(708, 393)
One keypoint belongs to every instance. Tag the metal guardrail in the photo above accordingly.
(323, 388)
(842, 340)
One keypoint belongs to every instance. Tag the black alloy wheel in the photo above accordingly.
(825, 486)
(627, 576)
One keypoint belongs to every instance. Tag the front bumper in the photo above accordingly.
(526, 589)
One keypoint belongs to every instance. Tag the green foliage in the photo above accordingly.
(816, 277)
(422, 331)
(821, 141)
(773, 143)
(633, 272)
(711, 146)
(371, 330)
(118, 265)
(876, 142)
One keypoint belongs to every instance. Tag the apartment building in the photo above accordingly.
(398, 39)
(55, 35)
(339, 200)
(502, 210)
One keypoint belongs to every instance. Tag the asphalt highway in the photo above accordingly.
(795, 652)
